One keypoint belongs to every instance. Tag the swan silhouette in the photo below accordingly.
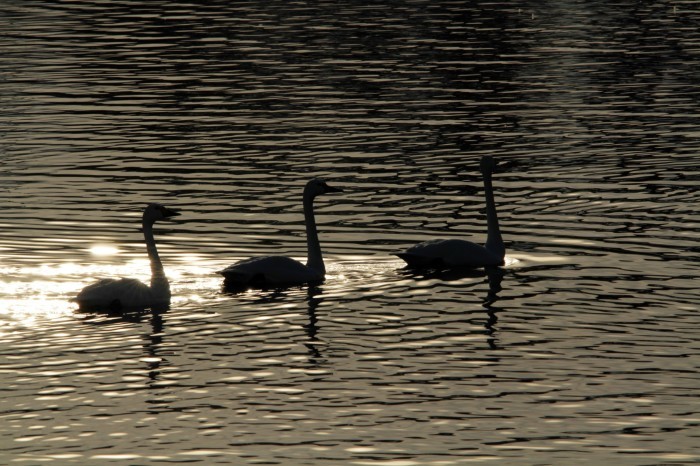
(109, 294)
(280, 271)
(446, 253)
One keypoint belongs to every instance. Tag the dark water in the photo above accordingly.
(584, 347)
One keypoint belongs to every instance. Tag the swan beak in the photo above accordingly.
(333, 189)
(170, 213)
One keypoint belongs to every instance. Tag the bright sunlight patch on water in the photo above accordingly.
(27, 312)
(104, 250)
(29, 295)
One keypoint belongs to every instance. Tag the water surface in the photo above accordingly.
(583, 346)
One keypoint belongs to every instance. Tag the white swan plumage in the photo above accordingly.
(440, 253)
(109, 294)
(280, 271)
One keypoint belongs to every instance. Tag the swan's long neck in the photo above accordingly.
(159, 282)
(494, 242)
(314, 260)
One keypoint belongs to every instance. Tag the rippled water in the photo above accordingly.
(585, 346)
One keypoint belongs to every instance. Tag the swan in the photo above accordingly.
(279, 271)
(438, 253)
(111, 294)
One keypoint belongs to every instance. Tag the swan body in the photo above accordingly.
(279, 271)
(451, 253)
(111, 294)
(270, 270)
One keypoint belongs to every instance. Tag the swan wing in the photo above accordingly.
(110, 294)
(269, 271)
(448, 253)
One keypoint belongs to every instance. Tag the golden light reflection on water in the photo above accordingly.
(103, 250)
(34, 292)
(31, 294)
(520, 258)
(510, 261)
(27, 312)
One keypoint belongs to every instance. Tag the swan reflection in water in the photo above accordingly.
(152, 337)
(313, 301)
(284, 296)
(494, 277)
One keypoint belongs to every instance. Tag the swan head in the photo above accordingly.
(155, 212)
(318, 186)
(488, 165)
